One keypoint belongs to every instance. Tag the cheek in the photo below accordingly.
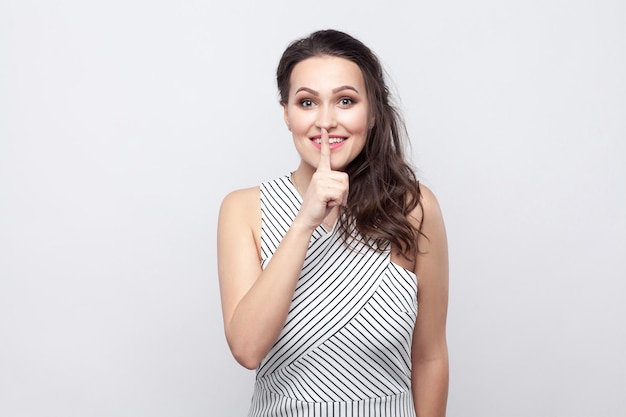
(299, 122)
(359, 127)
(357, 121)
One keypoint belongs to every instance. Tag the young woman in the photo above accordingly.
(319, 269)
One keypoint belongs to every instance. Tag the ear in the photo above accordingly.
(286, 116)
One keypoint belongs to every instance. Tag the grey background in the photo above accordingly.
(124, 123)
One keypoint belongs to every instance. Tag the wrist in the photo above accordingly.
(301, 226)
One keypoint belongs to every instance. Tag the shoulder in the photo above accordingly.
(429, 202)
(241, 196)
(428, 210)
(249, 199)
(240, 200)
(240, 217)
(241, 205)
(429, 218)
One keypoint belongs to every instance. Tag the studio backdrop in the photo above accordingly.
(123, 124)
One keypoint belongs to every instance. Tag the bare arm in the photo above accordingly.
(255, 302)
(429, 376)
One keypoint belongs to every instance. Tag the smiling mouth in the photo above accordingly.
(331, 141)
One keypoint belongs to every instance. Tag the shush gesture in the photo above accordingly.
(324, 163)
(288, 287)
(328, 189)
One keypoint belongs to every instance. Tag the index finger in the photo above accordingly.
(324, 164)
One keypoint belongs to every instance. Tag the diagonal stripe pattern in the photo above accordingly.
(345, 347)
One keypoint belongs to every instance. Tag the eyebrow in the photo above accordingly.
(335, 90)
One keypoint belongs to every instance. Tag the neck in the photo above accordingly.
(302, 177)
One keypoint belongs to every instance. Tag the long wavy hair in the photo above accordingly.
(384, 189)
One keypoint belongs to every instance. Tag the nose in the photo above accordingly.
(326, 118)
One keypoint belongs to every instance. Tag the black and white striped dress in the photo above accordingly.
(345, 348)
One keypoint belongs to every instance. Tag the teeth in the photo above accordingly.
(330, 140)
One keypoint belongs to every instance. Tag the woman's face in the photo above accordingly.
(327, 92)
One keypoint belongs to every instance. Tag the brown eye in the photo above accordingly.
(346, 101)
(306, 102)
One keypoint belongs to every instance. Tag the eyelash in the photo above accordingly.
(308, 102)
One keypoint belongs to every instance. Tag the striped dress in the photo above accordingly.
(345, 348)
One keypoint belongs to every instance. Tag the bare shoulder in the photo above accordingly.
(428, 212)
(242, 199)
(429, 218)
(430, 204)
(242, 207)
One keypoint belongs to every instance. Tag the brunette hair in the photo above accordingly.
(383, 187)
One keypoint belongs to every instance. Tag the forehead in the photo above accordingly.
(325, 73)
